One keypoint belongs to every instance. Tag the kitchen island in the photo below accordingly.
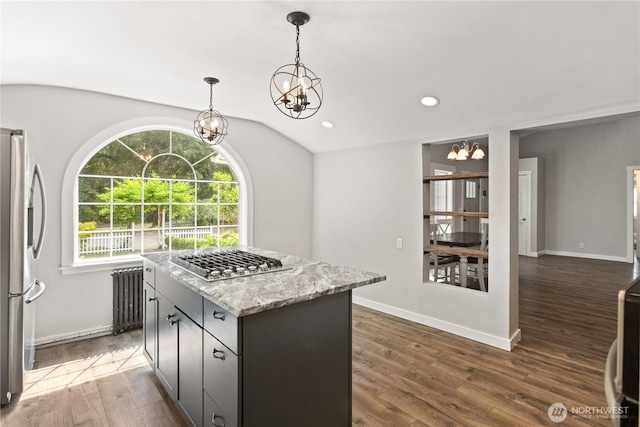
(264, 349)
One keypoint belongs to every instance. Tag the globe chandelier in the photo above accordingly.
(296, 90)
(210, 126)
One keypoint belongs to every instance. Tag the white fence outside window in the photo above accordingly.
(125, 241)
(106, 242)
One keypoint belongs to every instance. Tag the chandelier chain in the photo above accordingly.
(297, 44)
(210, 97)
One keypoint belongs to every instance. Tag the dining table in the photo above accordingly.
(463, 239)
(452, 242)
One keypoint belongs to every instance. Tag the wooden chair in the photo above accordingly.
(444, 225)
(478, 267)
(438, 262)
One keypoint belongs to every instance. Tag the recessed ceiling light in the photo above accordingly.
(430, 101)
(327, 124)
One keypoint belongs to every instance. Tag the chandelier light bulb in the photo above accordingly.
(305, 82)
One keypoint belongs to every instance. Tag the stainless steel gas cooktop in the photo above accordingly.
(227, 264)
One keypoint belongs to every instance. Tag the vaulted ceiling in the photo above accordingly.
(490, 63)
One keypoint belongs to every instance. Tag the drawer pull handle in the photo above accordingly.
(148, 269)
(152, 299)
(170, 318)
(218, 354)
(215, 423)
(219, 315)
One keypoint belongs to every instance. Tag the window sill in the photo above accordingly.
(101, 265)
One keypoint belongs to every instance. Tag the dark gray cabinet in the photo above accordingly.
(150, 317)
(222, 377)
(150, 313)
(292, 366)
(190, 369)
(179, 345)
(213, 415)
(288, 366)
(167, 359)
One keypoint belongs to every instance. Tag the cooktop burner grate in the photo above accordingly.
(227, 264)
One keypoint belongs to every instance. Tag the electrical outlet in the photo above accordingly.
(581, 245)
(399, 243)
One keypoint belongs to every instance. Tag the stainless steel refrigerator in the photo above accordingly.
(23, 213)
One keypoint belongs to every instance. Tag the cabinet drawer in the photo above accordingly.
(222, 325)
(149, 273)
(221, 376)
(189, 302)
(213, 415)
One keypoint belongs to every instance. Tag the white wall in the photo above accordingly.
(585, 182)
(366, 198)
(61, 121)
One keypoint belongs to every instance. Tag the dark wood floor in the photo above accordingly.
(404, 374)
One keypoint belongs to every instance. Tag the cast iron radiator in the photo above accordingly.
(127, 299)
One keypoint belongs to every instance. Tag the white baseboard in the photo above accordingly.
(73, 336)
(472, 334)
(589, 256)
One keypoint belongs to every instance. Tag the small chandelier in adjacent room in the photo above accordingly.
(210, 126)
(295, 89)
(465, 150)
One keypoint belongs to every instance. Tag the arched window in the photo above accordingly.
(155, 190)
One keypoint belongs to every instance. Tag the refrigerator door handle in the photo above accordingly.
(37, 173)
(21, 294)
(32, 298)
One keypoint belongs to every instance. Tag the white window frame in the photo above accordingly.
(70, 263)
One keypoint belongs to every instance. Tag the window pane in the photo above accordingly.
(192, 149)
(207, 215)
(99, 214)
(205, 192)
(470, 189)
(126, 190)
(114, 159)
(229, 193)
(229, 214)
(229, 236)
(208, 241)
(182, 216)
(156, 191)
(182, 192)
(169, 167)
(155, 239)
(149, 143)
(126, 215)
(92, 189)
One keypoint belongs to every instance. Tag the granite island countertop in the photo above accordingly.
(303, 280)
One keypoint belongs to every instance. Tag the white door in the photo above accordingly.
(524, 208)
